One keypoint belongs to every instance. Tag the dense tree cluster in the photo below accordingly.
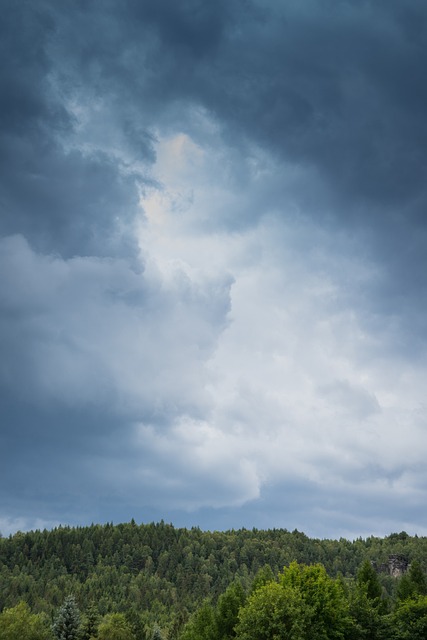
(157, 582)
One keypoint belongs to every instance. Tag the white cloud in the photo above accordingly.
(236, 362)
(205, 465)
(300, 384)
(90, 330)
(10, 526)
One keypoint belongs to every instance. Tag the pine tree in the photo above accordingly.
(413, 583)
(227, 610)
(67, 622)
(263, 576)
(418, 579)
(157, 634)
(89, 626)
(367, 578)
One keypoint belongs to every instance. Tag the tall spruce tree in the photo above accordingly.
(367, 579)
(157, 634)
(413, 583)
(67, 623)
(227, 610)
(90, 623)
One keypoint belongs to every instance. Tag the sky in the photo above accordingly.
(213, 259)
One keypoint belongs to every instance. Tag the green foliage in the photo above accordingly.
(405, 588)
(18, 623)
(325, 607)
(410, 619)
(139, 622)
(368, 617)
(306, 603)
(418, 578)
(227, 610)
(67, 622)
(202, 624)
(156, 573)
(262, 577)
(115, 627)
(367, 580)
(273, 611)
(89, 624)
(157, 634)
(209, 623)
(413, 583)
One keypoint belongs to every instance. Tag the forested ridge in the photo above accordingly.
(200, 585)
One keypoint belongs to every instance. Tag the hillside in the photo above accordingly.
(163, 573)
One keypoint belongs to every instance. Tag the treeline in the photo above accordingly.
(304, 603)
(157, 574)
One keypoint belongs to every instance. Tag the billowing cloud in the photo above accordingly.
(212, 248)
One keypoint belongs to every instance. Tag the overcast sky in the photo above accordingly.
(213, 260)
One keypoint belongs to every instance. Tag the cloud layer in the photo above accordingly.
(213, 248)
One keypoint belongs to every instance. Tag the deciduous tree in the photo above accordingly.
(18, 623)
(410, 619)
(305, 604)
(115, 627)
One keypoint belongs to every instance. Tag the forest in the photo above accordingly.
(155, 581)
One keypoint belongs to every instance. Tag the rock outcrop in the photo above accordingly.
(396, 566)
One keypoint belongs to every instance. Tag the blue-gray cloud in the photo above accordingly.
(213, 248)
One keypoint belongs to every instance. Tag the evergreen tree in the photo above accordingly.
(368, 620)
(67, 623)
(202, 624)
(90, 623)
(139, 622)
(158, 573)
(418, 578)
(367, 606)
(227, 610)
(410, 619)
(157, 634)
(413, 583)
(262, 577)
(367, 579)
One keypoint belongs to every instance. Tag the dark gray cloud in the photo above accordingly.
(65, 199)
(338, 92)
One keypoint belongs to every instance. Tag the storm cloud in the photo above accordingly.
(213, 248)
